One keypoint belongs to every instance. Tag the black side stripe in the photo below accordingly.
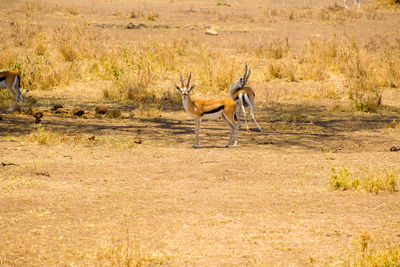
(214, 110)
(2, 78)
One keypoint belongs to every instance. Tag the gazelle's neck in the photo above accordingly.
(187, 103)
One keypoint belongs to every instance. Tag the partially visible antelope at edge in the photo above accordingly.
(208, 109)
(11, 80)
(245, 96)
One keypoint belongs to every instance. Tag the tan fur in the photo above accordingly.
(250, 93)
(10, 79)
(198, 109)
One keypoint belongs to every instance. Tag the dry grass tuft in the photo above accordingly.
(124, 252)
(365, 179)
(389, 3)
(139, 72)
(367, 255)
(43, 136)
(274, 49)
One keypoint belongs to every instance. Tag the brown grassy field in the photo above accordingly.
(319, 186)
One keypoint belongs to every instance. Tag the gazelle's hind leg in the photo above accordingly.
(254, 119)
(238, 104)
(246, 100)
(15, 94)
(234, 127)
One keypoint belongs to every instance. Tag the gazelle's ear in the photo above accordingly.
(177, 87)
(191, 88)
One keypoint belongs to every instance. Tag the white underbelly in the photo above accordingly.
(212, 116)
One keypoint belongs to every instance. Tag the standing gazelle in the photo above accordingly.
(11, 80)
(208, 109)
(245, 96)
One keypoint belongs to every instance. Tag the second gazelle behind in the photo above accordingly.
(245, 96)
(208, 109)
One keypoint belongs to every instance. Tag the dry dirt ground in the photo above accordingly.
(79, 202)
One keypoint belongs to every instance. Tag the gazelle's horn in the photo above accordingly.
(245, 71)
(181, 80)
(248, 75)
(188, 82)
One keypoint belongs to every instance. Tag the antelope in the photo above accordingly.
(11, 80)
(208, 109)
(356, 3)
(244, 96)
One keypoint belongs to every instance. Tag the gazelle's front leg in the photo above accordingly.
(197, 130)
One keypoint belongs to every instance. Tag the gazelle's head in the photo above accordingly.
(185, 90)
(243, 80)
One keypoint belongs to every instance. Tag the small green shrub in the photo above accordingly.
(377, 257)
(43, 136)
(366, 179)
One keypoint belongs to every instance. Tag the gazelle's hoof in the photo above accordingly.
(194, 146)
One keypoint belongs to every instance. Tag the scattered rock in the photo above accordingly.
(78, 112)
(101, 110)
(161, 27)
(211, 32)
(56, 106)
(132, 26)
(223, 4)
(44, 173)
(138, 141)
(92, 138)
(105, 25)
(395, 148)
(12, 23)
(60, 111)
(38, 116)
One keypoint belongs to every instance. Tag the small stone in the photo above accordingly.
(211, 32)
(78, 112)
(100, 110)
